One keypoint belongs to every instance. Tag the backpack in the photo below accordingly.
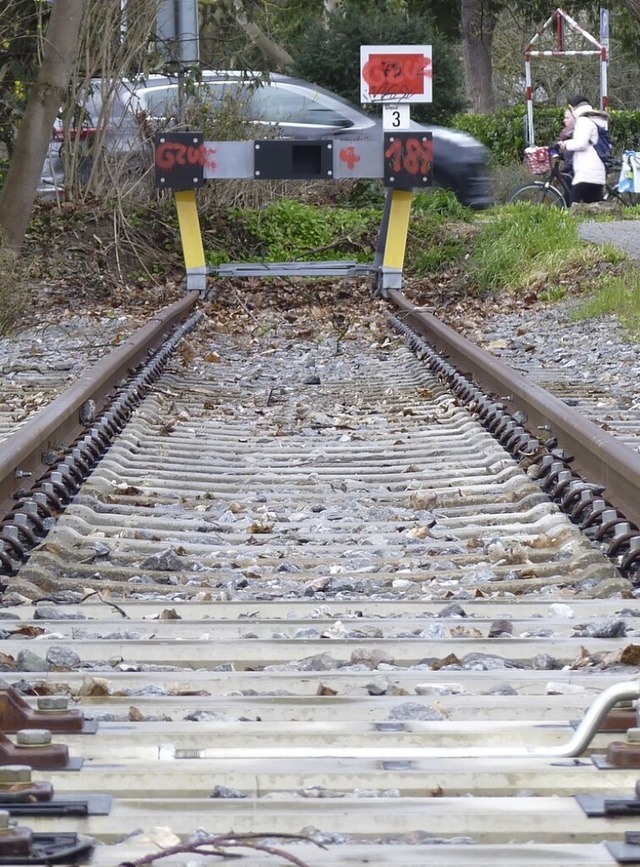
(603, 146)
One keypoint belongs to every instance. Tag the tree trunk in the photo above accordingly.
(477, 23)
(19, 191)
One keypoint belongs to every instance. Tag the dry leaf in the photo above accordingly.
(630, 655)
(260, 527)
(29, 631)
(94, 686)
(326, 690)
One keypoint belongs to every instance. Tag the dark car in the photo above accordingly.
(267, 105)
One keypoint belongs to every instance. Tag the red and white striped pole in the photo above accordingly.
(604, 61)
(529, 92)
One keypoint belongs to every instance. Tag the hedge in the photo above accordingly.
(503, 132)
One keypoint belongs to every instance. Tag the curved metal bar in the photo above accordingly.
(574, 747)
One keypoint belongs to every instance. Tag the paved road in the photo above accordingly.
(623, 233)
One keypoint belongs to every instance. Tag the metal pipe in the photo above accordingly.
(575, 746)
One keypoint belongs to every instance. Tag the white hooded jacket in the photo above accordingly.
(588, 168)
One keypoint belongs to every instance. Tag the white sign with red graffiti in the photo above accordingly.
(396, 73)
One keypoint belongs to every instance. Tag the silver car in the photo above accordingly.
(273, 105)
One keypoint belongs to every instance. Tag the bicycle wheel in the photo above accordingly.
(539, 193)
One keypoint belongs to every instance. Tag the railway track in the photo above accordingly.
(301, 586)
(33, 374)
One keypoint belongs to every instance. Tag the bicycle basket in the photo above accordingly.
(537, 159)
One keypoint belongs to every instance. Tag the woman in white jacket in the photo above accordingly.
(589, 173)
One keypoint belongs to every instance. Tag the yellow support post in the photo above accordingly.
(396, 239)
(191, 237)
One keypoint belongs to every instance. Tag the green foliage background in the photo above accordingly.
(330, 56)
(21, 26)
(504, 131)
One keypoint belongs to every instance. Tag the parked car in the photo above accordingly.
(273, 105)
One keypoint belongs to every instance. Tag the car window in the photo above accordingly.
(273, 104)
(164, 101)
(159, 102)
(264, 103)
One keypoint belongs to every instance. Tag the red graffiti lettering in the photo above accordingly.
(412, 155)
(397, 73)
(170, 154)
(209, 162)
(195, 156)
(349, 156)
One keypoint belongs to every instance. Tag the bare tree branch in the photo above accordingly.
(220, 845)
(270, 49)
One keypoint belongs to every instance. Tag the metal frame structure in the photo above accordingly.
(600, 49)
(403, 158)
(184, 162)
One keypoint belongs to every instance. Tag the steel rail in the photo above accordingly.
(58, 424)
(598, 456)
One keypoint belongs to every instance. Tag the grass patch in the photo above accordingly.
(617, 295)
(292, 231)
(440, 203)
(436, 258)
(524, 246)
(439, 231)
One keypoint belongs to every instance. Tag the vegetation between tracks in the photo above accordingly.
(119, 253)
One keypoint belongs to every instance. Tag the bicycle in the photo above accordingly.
(554, 189)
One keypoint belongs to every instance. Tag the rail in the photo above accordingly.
(21, 455)
(597, 455)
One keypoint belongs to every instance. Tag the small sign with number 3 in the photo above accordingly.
(396, 117)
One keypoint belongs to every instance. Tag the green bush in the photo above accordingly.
(289, 230)
(503, 132)
(329, 54)
(625, 130)
(293, 231)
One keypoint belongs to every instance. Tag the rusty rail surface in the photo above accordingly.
(597, 455)
(58, 424)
